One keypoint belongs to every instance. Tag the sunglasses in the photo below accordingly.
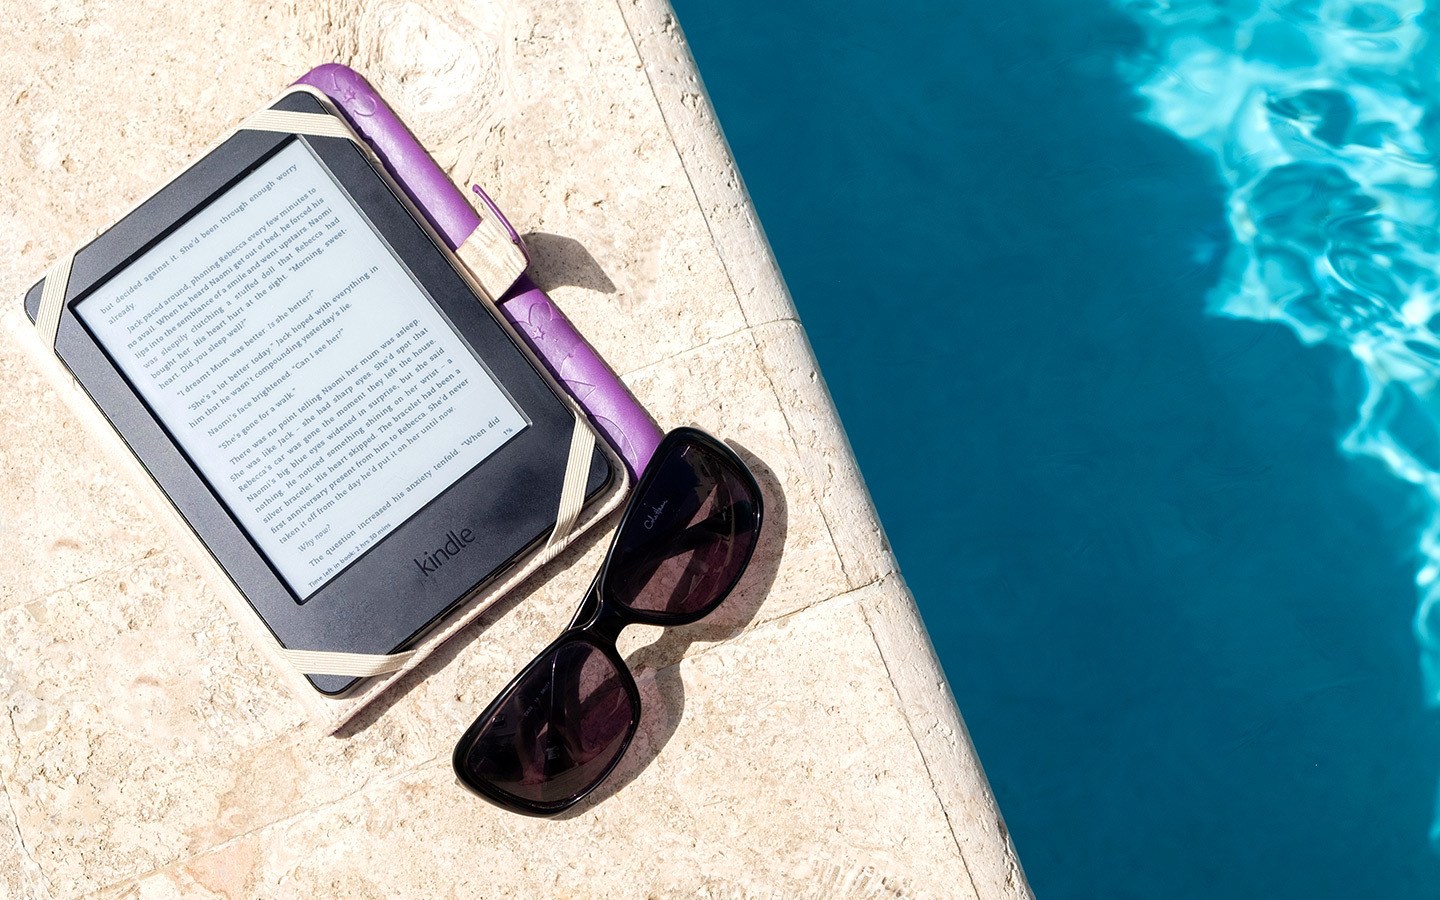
(560, 727)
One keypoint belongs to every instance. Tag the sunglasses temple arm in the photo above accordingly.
(692, 538)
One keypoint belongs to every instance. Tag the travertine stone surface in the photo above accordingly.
(799, 743)
(840, 794)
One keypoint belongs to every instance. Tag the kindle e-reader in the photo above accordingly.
(318, 388)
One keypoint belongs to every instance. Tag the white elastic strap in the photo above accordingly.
(491, 254)
(297, 123)
(52, 298)
(572, 500)
(357, 665)
(572, 494)
(577, 474)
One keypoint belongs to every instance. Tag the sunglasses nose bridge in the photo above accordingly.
(607, 623)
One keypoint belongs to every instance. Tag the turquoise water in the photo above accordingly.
(1130, 310)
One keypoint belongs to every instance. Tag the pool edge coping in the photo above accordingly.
(957, 777)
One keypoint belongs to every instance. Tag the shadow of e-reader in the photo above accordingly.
(294, 357)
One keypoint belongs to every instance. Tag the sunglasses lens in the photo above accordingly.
(689, 535)
(556, 733)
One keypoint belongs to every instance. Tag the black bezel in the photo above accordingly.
(381, 602)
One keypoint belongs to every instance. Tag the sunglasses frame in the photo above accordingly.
(599, 621)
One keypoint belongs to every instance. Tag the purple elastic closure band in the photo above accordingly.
(628, 427)
(490, 205)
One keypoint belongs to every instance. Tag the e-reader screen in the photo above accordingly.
(301, 368)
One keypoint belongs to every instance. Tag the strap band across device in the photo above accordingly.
(288, 122)
(52, 298)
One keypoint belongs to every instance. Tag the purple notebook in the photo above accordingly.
(615, 412)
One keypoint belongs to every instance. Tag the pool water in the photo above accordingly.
(1130, 311)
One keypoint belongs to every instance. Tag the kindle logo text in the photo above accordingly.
(429, 563)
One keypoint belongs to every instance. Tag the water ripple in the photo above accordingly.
(1318, 115)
